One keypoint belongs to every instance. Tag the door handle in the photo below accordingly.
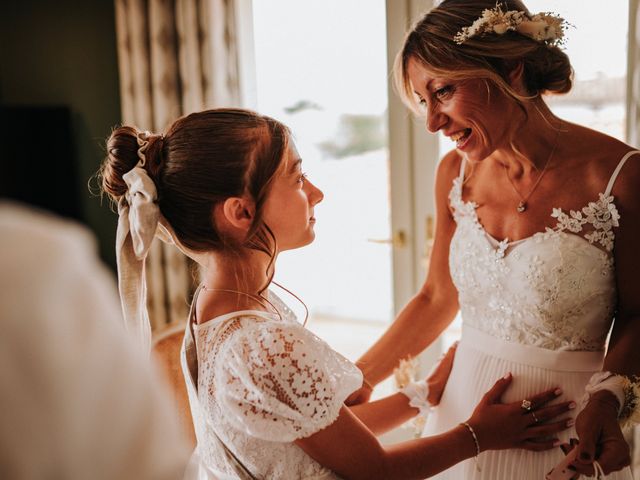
(399, 240)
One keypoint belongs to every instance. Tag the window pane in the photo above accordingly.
(598, 53)
(321, 69)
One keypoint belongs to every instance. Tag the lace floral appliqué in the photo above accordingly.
(553, 290)
(263, 383)
(602, 215)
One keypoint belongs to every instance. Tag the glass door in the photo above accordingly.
(321, 68)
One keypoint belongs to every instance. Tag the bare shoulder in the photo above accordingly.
(448, 170)
(594, 152)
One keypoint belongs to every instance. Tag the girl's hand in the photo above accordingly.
(437, 380)
(600, 436)
(500, 426)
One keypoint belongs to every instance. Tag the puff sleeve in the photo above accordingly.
(279, 382)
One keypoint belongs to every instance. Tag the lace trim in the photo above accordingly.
(602, 215)
(555, 297)
(266, 382)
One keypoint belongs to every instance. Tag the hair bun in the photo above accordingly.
(548, 71)
(126, 147)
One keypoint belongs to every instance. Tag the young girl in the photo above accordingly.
(267, 396)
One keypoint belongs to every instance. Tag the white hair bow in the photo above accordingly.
(137, 224)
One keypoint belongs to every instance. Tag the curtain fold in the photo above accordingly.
(175, 57)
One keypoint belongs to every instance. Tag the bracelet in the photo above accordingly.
(365, 383)
(605, 381)
(630, 412)
(475, 440)
(473, 434)
(626, 390)
(417, 393)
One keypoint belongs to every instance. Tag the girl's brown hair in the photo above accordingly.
(491, 57)
(203, 159)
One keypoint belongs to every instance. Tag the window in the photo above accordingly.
(321, 68)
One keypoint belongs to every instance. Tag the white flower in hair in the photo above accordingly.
(544, 27)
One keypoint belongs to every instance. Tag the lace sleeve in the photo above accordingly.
(279, 382)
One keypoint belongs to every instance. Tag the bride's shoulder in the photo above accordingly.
(592, 148)
(450, 163)
(448, 168)
(597, 154)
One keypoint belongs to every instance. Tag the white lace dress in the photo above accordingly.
(263, 382)
(540, 308)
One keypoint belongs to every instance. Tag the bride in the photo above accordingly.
(536, 237)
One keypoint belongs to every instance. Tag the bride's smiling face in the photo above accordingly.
(477, 116)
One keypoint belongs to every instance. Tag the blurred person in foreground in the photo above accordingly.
(79, 398)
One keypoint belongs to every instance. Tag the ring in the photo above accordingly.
(526, 405)
(534, 416)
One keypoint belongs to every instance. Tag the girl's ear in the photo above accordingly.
(239, 212)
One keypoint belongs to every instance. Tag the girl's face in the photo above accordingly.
(289, 209)
(478, 118)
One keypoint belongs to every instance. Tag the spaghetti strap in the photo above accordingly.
(192, 310)
(612, 180)
(463, 163)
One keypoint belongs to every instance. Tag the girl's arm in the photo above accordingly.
(385, 414)
(424, 318)
(389, 412)
(351, 450)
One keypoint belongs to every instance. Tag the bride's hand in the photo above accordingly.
(500, 426)
(600, 436)
(438, 378)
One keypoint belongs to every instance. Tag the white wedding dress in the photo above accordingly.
(258, 381)
(540, 308)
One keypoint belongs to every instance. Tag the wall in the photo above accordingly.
(64, 53)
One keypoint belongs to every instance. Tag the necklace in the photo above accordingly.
(522, 206)
(260, 299)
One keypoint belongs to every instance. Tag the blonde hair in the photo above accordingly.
(546, 69)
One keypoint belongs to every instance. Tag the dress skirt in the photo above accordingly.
(479, 362)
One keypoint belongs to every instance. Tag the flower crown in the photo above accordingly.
(544, 27)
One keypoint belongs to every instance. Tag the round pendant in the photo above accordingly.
(521, 207)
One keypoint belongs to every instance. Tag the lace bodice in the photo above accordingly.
(263, 382)
(555, 289)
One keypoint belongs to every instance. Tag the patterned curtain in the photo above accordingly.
(175, 57)
(633, 138)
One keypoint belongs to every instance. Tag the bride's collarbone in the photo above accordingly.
(504, 222)
(497, 208)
